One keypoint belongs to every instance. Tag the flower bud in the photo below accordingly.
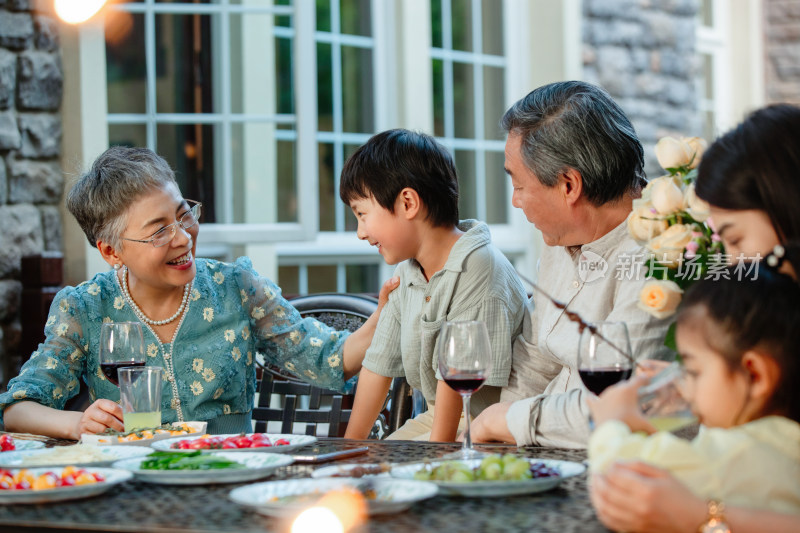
(697, 146)
(666, 195)
(668, 247)
(672, 153)
(660, 298)
(644, 224)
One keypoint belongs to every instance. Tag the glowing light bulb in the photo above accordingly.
(77, 11)
(317, 520)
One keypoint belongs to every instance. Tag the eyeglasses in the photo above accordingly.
(165, 235)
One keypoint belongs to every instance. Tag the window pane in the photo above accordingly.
(324, 87)
(356, 17)
(324, 15)
(289, 280)
(357, 90)
(285, 21)
(184, 77)
(362, 278)
(438, 98)
(462, 25)
(327, 192)
(465, 164)
(493, 102)
(463, 101)
(706, 12)
(189, 150)
(496, 189)
(492, 19)
(708, 76)
(287, 182)
(436, 23)
(321, 278)
(125, 68)
(284, 77)
(127, 135)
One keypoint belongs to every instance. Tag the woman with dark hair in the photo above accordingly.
(204, 321)
(751, 178)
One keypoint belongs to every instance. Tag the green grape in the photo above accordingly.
(490, 472)
(517, 470)
(422, 475)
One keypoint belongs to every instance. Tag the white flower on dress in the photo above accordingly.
(236, 353)
(58, 392)
(152, 350)
(315, 342)
(72, 384)
(94, 289)
(226, 409)
(280, 312)
(219, 277)
(197, 388)
(269, 293)
(290, 366)
(230, 335)
(107, 319)
(243, 293)
(209, 375)
(75, 355)
(119, 302)
(246, 332)
(310, 374)
(218, 393)
(50, 320)
(208, 314)
(62, 329)
(295, 336)
(195, 295)
(51, 363)
(334, 360)
(63, 305)
(197, 365)
(258, 313)
(249, 358)
(20, 394)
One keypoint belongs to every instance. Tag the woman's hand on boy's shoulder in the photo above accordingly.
(388, 286)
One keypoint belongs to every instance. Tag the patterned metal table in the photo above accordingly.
(141, 507)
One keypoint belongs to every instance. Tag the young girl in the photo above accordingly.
(738, 340)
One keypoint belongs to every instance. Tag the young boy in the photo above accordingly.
(403, 189)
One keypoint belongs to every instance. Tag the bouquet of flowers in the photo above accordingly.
(673, 225)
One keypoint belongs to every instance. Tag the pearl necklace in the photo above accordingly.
(139, 313)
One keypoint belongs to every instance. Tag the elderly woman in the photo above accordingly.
(203, 320)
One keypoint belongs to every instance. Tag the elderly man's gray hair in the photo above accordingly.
(100, 198)
(577, 125)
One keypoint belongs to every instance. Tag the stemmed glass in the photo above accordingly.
(464, 363)
(121, 344)
(604, 355)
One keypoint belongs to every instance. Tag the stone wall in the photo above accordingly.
(643, 53)
(782, 50)
(31, 182)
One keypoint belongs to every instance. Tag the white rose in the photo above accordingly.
(666, 195)
(697, 147)
(697, 208)
(660, 298)
(669, 246)
(644, 224)
(673, 153)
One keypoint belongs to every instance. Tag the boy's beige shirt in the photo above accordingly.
(477, 282)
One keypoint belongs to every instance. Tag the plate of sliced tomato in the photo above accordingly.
(43, 485)
(242, 442)
(9, 444)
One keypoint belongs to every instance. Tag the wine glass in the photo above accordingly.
(465, 360)
(604, 355)
(121, 344)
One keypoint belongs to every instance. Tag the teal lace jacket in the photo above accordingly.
(233, 315)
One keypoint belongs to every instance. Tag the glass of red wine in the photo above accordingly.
(121, 344)
(465, 360)
(604, 355)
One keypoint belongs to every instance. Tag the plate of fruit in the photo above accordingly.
(494, 475)
(10, 444)
(43, 485)
(242, 442)
(146, 436)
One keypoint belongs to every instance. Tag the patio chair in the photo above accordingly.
(286, 399)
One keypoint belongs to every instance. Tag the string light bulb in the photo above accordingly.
(77, 11)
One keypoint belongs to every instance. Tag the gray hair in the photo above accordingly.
(573, 124)
(100, 199)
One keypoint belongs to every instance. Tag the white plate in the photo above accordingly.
(258, 466)
(495, 488)
(342, 471)
(112, 440)
(295, 441)
(20, 445)
(16, 458)
(393, 495)
(113, 477)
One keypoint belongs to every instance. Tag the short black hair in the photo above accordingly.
(395, 159)
(574, 124)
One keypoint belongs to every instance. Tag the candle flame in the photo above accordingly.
(77, 11)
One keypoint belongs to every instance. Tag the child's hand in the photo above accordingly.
(620, 402)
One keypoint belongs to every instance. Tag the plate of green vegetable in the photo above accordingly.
(194, 467)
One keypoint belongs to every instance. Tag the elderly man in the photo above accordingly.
(575, 164)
